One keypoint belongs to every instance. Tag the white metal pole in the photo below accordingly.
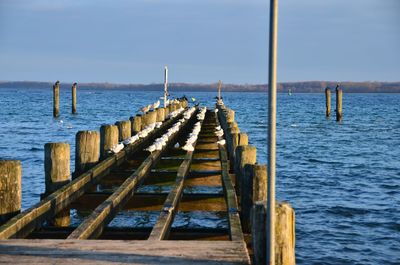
(165, 85)
(273, 54)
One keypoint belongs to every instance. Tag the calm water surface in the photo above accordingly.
(343, 179)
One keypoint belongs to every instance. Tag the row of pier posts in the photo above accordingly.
(339, 96)
(90, 148)
(56, 99)
(251, 189)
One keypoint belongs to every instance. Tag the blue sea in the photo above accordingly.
(343, 179)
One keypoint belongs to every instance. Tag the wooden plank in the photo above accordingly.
(230, 195)
(118, 251)
(94, 224)
(162, 227)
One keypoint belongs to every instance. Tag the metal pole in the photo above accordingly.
(165, 86)
(273, 54)
(219, 89)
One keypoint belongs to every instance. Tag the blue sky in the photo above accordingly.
(200, 40)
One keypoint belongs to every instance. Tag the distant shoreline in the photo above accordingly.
(295, 87)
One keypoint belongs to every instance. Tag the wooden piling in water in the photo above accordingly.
(244, 154)
(87, 151)
(149, 118)
(136, 124)
(108, 139)
(243, 139)
(339, 94)
(284, 231)
(328, 102)
(57, 174)
(74, 98)
(10, 189)
(160, 114)
(254, 189)
(124, 130)
(56, 99)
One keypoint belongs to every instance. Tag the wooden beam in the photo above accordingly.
(235, 227)
(163, 226)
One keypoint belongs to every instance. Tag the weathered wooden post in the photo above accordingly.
(339, 94)
(87, 151)
(57, 174)
(254, 189)
(160, 115)
(244, 154)
(149, 118)
(243, 139)
(284, 231)
(74, 98)
(108, 139)
(328, 102)
(136, 124)
(125, 130)
(10, 189)
(56, 99)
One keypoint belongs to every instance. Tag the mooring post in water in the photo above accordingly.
(136, 124)
(124, 129)
(339, 94)
(244, 154)
(87, 151)
(328, 102)
(108, 139)
(254, 189)
(56, 99)
(285, 234)
(243, 139)
(10, 189)
(74, 98)
(160, 114)
(149, 118)
(57, 174)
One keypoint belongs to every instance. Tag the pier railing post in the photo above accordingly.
(136, 124)
(244, 154)
(284, 229)
(124, 130)
(87, 151)
(254, 189)
(56, 99)
(57, 174)
(10, 189)
(339, 95)
(108, 139)
(74, 98)
(328, 102)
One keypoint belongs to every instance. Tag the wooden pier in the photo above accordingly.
(217, 178)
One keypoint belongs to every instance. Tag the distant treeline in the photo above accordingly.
(295, 87)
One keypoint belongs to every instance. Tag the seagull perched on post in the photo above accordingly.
(156, 105)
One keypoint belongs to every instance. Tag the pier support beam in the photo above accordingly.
(87, 151)
(74, 98)
(328, 102)
(56, 99)
(339, 94)
(284, 230)
(10, 189)
(108, 139)
(124, 129)
(244, 154)
(254, 189)
(57, 174)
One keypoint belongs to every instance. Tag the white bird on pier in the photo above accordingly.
(218, 128)
(221, 142)
(219, 133)
(156, 104)
(145, 109)
(188, 147)
(151, 148)
(117, 148)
